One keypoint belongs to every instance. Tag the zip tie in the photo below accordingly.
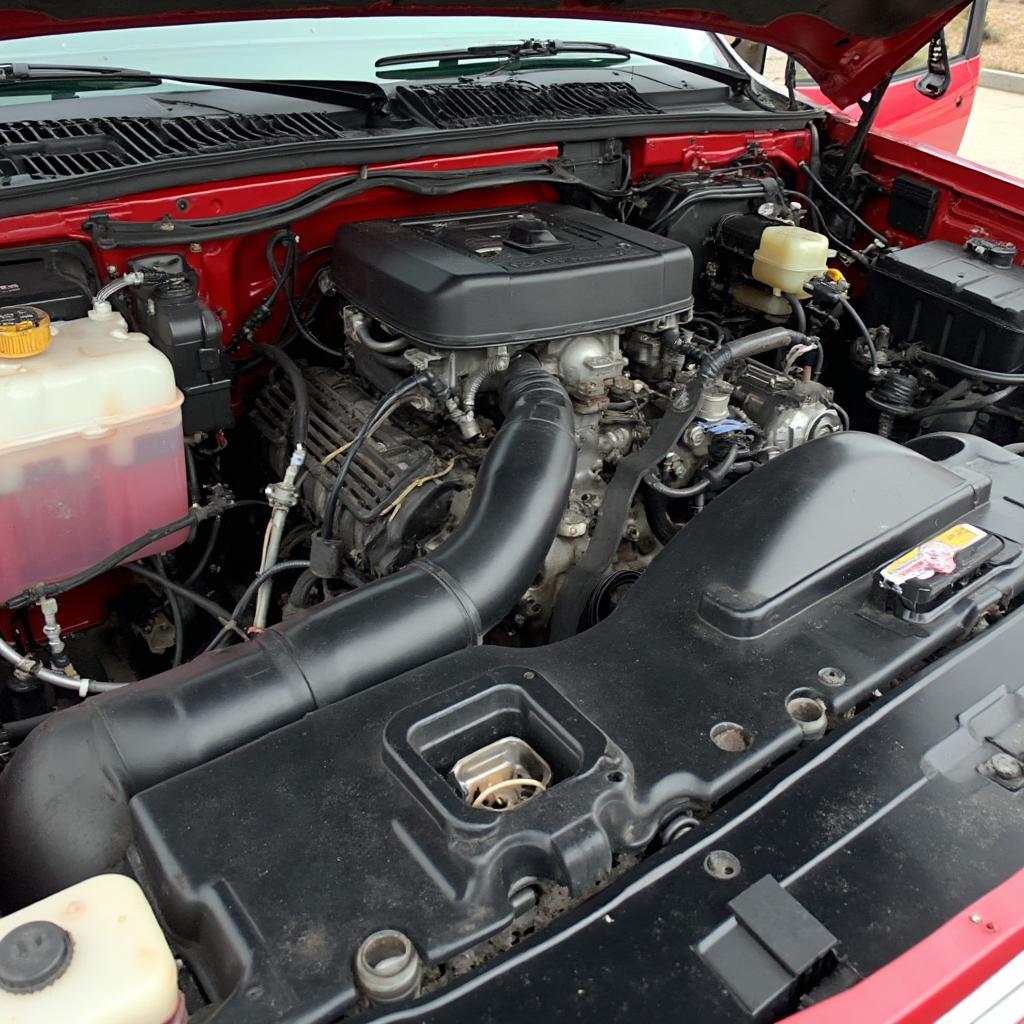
(395, 507)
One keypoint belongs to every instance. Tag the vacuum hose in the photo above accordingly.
(64, 797)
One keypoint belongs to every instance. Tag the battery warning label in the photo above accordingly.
(935, 557)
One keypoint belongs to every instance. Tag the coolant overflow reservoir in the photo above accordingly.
(788, 257)
(92, 954)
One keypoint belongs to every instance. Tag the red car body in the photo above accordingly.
(907, 113)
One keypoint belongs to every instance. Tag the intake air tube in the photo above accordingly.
(64, 796)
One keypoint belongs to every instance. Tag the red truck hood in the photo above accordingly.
(846, 45)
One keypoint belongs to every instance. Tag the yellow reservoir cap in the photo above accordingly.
(24, 331)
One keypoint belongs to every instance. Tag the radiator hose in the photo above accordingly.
(64, 797)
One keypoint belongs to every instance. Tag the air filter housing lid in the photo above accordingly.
(522, 274)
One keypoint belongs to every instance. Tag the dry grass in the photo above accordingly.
(1003, 47)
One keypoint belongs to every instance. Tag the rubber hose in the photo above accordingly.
(966, 370)
(393, 345)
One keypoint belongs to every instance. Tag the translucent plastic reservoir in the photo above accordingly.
(788, 257)
(92, 954)
(91, 451)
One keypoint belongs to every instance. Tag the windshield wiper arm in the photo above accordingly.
(366, 96)
(737, 80)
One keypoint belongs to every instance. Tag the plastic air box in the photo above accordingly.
(91, 451)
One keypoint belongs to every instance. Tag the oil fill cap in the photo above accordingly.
(33, 956)
(24, 331)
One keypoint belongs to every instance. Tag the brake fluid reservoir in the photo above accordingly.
(789, 256)
(91, 954)
(91, 450)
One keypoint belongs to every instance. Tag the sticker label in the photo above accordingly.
(936, 556)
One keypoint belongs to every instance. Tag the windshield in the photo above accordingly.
(332, 48)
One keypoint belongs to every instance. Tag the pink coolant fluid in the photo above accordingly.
(70, 512)
(91, 452)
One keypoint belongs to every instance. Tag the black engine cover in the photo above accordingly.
(497, 277)
(272, 863)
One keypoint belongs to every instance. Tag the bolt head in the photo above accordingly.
(694, 436)
(1006, 767)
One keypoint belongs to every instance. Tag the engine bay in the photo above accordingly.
(491, 540)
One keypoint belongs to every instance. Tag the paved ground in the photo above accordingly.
(995, 132)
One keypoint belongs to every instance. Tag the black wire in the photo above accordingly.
(281, 274)
(221, 614)
(300, 389)
(800, 316)
(248, 595)
(978, 404)
(722, 192)
(382, 408)
(33, 594)
(193, 516)
(717, 329)
(821, 226)
(248, 503)
(284, 280)
(862, 329)
(176, 616)
(192, 476)
(966, 370)
(204, 558)
(841, 205)
(798, 313)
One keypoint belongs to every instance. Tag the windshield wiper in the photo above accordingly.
(513, 53)
(365, 96)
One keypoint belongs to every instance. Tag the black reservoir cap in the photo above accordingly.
(33, 956)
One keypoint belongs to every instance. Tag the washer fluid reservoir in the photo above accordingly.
(91, 954)
(91, 450)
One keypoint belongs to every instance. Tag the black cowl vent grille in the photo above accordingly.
(44, 150)
(473, 105)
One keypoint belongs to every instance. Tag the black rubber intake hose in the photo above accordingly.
(64, 796)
